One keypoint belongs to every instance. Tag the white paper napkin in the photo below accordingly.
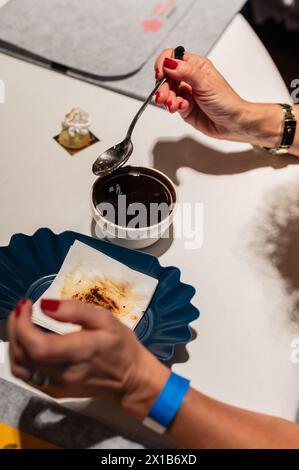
(91, 276)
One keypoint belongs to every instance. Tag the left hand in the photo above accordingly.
(201, 95)
(105, 358)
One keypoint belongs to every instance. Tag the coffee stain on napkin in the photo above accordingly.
(119, 297)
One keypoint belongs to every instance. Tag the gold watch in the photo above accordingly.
(289, 131)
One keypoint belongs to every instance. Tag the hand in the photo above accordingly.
(103, 359)
(205, 100)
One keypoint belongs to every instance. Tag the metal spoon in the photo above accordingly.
(117, 155)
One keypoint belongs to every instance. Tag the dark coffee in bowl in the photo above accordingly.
(132, 193)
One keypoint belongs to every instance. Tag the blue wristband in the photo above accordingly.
(168, 403)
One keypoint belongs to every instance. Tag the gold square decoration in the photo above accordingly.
(75, 134)
(72, 151)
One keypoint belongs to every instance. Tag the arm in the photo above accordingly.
(106, 359)
(263, 125)
(206, 423)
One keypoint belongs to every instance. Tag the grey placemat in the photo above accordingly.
(98, 37)
(198, 31)
(49, 421)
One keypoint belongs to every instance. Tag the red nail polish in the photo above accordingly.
(18, 310)
(51, 305)
(156, 73)
(19, 306)
(157, 96)
(169, 104)
(181, 105)
(170, 64)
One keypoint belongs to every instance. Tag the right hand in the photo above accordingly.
(105, 358)
(201, 95)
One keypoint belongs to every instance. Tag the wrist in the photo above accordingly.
(150, 376)
(262, 124)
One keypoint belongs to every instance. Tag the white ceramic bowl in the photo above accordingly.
(129, 237)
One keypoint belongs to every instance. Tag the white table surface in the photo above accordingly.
(242, 350)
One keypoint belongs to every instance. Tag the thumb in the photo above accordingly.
(194, 70)
(80, 313)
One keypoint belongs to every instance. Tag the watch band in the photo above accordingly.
(167, 404)
(289, 131)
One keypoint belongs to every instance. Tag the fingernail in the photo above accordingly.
(156, 73)
(157, 96)
(50, 305)
(19, 306)
(170, 64)
(169, 104)
(181, 105)
(18, 310)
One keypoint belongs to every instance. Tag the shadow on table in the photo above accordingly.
(67, 429)
(161, 246)
(170, 155)
(181, 354)
(275, 238)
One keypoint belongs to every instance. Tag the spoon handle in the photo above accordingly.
(178, 54)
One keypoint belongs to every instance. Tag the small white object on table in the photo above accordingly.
(241, 354)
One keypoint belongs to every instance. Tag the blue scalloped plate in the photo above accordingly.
(29, 264)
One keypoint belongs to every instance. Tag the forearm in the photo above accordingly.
(262, 125)
(206, 423)
(202, 422)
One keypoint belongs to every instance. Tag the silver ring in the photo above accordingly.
(39, 379)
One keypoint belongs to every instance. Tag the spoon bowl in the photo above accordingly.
(113, 158)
